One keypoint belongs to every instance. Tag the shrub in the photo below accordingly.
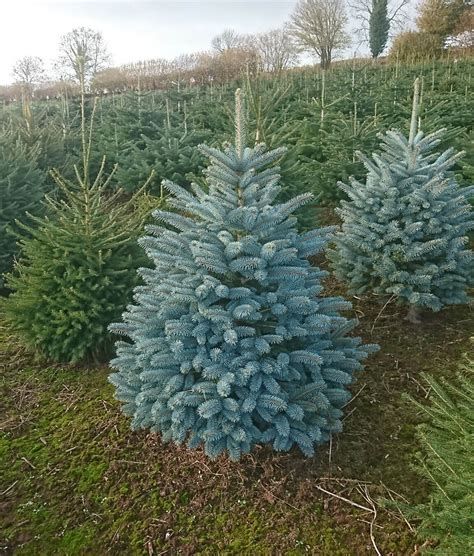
(414, 46)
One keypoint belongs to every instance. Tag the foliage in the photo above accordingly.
(463, 33)
(379, 26)
(447, 462)
(404, 230)
(76, 271)
(22, 186)
(231, 343)
(336, 159)
(440, 17)
(144, 137)
(141, 487)
(415, 46)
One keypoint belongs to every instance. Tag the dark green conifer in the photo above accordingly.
(22, 185)
(447, 463)
(76, 271)
(77, 265)
(379, 26)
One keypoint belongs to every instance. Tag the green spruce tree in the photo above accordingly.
(446, 461)
(22, 186)
(379, 26)
(77, 266)
(76, 271)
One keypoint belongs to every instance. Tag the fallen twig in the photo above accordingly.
(128, 461)
(374, 517)
(8, 489)
(398, 507)
(392, 297)
(28, 462)
(344, 499)
(354, 397)
(278, 498)
(101, 432)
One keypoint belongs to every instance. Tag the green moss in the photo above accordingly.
(76, 540)
(83, 483)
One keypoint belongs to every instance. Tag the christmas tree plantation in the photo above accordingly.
(404, 230)
(76, 271)
(231, 343)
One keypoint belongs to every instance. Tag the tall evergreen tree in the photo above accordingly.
(404, 230)
(379, 26)
(231, 343)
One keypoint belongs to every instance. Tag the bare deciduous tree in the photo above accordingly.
(276, 50)
(234, 53)
(82, 54)
(145, 73)
(29, 71)
(227, 40)
(362, 10)
(319, 26)
(110, 79)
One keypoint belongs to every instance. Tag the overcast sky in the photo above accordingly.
(132, 29)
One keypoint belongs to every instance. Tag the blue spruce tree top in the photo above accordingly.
(405, 229)
(231, 343)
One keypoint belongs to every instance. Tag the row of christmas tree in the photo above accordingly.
(229, 340)
(323, 118)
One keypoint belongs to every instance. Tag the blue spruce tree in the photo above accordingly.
(404, 231)
(231, 342)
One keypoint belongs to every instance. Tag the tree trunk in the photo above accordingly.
(324, 63)
(413, 315)
(325, 58)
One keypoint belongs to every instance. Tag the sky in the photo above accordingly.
(132, 29)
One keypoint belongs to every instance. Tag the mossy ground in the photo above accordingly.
(75, 480)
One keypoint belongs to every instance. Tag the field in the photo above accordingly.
(80, 482)
(76, 480)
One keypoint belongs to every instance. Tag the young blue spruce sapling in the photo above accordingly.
(230, 343)
(405, 230)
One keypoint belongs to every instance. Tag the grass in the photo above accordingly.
(75, 480)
